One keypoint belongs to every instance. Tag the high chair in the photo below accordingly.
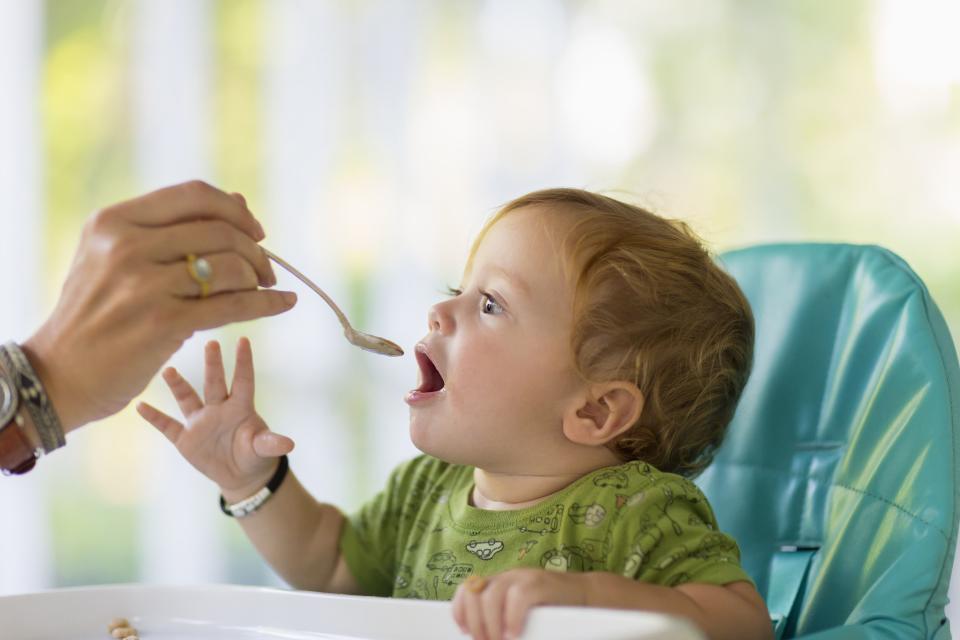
(839, 472)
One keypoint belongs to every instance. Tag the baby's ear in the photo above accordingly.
(605, 411)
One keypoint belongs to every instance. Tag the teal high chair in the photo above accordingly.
(838, 474)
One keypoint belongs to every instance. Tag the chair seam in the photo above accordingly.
(926, 300)
(896, 506)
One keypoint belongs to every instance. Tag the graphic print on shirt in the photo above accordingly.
(525, 548)
(613, 478)
(404, 575)
(486, 549)
(599, 550)
(648, 537)
(566, 559)
(591, 515)
(446, 570)
(650, 534)
(442, 560)
(668, 494)
(549, 522)
(631, 520)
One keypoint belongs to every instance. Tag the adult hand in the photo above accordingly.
(129, 301)
(496, 608)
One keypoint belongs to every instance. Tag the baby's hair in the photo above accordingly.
(651, 306)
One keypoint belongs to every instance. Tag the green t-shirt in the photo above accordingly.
(420, 538)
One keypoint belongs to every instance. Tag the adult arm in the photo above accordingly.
(129, 302)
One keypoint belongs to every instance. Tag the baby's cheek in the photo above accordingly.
(504, 381)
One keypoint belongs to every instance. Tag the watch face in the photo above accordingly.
(8, 401)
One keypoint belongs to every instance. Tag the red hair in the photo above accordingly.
(651, 306)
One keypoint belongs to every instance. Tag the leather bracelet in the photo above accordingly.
(248, 505)
(17, 456)
(17, 451)
(34, 396)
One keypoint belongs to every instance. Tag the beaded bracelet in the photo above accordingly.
(34, 396)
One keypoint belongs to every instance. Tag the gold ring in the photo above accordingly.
(475, 583)
(201, 272)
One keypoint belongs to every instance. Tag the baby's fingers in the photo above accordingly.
(459, 610)
(492, 604)
(268, 444)
(187, 399)
(243, 378)
(519, 601)
(473, 614)
(164, 423)
(214, 380)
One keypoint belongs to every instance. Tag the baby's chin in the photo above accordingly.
(450, 452)
(420, 437)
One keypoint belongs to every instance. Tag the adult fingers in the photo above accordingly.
(214, 381)
(203, 237)
(187, 201)
(268, 444)
(187, 399)
(230, 272)
(164, 424)
(243, 376)
(238, 306)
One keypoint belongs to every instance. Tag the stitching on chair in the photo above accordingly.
(926, 300)
(895, 506)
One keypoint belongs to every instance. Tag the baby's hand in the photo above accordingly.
(496, 608)
(224, 438)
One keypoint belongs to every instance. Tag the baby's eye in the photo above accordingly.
(488, 304)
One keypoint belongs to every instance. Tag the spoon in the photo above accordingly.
(363, 340)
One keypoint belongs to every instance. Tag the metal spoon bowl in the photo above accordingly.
(365, 341)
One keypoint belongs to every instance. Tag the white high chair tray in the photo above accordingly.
(248, 613)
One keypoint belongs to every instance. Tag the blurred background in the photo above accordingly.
(372, 138)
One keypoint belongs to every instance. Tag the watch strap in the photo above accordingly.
(17, 456)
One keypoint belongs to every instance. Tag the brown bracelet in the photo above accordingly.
(17, 455)
(17, 451)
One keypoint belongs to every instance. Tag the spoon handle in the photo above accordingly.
(307, 281)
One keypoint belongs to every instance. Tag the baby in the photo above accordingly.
(585, 369)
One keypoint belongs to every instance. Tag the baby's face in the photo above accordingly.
(502, 349)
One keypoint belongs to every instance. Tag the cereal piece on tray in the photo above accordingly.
(122, 633)
(116, 623)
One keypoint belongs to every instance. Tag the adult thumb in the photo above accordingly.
(268, 444)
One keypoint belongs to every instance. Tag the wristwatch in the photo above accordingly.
(17, 455)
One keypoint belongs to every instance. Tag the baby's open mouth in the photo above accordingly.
(430, 378)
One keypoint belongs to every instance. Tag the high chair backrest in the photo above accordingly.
(838, 474)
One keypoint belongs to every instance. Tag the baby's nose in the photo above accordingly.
(439, 318)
